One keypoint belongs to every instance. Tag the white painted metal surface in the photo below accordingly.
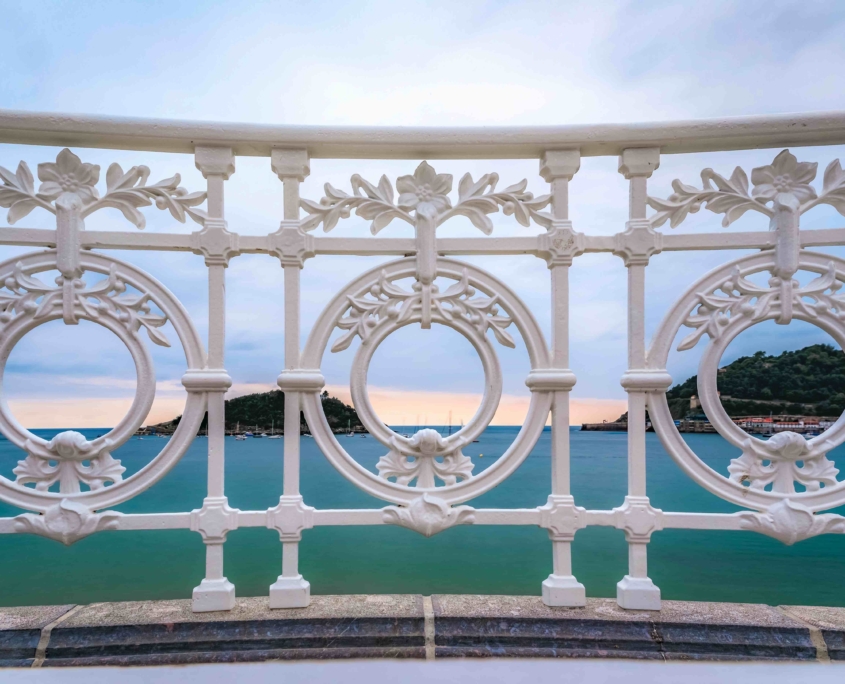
(426, 479)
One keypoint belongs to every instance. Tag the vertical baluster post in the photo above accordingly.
(291, 516)
(215, 519)
(560, 515)
(636, 245)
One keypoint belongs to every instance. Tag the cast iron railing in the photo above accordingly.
(69, 483)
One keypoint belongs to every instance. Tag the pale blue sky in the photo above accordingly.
(406, 63)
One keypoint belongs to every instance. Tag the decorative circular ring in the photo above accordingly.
(32, 302)
(743, 304)
(372, 307)
(457, 440)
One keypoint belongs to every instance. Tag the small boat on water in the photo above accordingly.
(349, 432)
(248, 434)
(240, 438)
(273, 434)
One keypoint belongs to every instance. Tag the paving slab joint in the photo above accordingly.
(428, 616)
(47, 630)
(658, 640)
(816, 636)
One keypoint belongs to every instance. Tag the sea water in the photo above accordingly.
(685, 564)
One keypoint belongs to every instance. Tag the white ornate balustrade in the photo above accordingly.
(426, 480)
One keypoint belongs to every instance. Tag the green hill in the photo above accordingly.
(266, 410)
(809, 381)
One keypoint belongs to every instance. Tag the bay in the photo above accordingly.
(685, 564)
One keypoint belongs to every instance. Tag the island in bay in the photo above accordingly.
(264, 413)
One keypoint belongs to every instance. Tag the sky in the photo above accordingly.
(393, 63)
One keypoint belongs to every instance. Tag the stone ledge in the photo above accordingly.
(831, 623)
(167, 632)
(522, 626)
(20, 632)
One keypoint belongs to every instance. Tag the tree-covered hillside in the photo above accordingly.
(266, 410)
(809, 381)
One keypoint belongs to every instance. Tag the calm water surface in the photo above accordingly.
(693, 565)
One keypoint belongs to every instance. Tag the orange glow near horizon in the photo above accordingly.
(403, 407)
(394, 407)
(88, 412)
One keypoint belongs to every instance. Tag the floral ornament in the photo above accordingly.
(27, 295)
(425, 191)
(713, 312)
(68, 174)
(124, 191)
(425, 194)
(386, 300)
(785, 175)
(415, 458)
(785, 178)
(67, 522)
(783, 451)
(428, 515)
(791, 522)
(69, 451)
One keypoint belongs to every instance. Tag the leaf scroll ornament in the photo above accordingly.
(414, 459)
(24, 294)
(741, 297)
(63, 460)
(426, 193)
(775, 463)
(784, 178)
(790, 522)
(124, 191)
(387, 300)
(428, 515)
(67, 522)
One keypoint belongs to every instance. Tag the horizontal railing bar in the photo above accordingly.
(504, 516)
(707, 241)
(129, 521)
(702, 521)
(444, 246)
(601, 518)
(154, 521)
(363, 246)
(489, 142)
(352, 516)
(165, 242)
(687, 521)
(374, 516)
(252, 518)
(820, 237)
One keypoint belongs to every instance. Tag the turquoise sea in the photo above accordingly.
(694, 565)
